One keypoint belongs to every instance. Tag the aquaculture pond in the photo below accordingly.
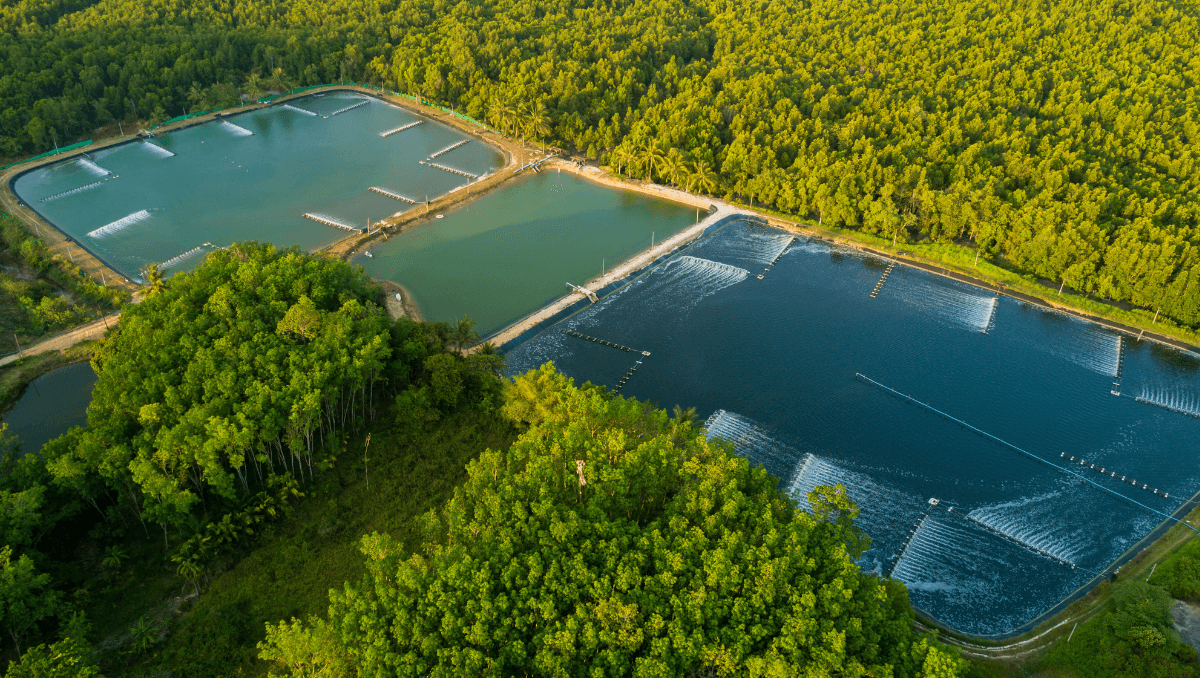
(51, 405)
(513, 250)
(800, 370)
(254, 176)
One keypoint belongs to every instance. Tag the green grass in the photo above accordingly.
(290, 569)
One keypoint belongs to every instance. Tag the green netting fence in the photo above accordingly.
(47, 154)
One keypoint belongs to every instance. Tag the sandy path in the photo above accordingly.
(92, 330)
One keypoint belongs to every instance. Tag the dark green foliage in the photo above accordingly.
(1179, 574)
(611, 539)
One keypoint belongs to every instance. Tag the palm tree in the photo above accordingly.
(622, 156)
(539, 122)
(673, 166)
(277, 82)
(195, 95)
(653, 157)
(253, 87)
(155, 283)
(463, 334)
(703, 176)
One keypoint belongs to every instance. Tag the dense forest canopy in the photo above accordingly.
(1059, 136)
(613, 540)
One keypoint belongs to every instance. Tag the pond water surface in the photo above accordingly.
(51, 405)
(253, 176)
(512, 251)
(792, 368)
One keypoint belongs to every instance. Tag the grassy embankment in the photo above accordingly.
(290, 568)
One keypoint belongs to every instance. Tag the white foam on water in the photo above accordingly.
(180, 260)
(235, 130)
(757, 245)
(1083, 343)
(299, 110)
(1038, 523)
(752, 442)
(949, 556)
(1173, 398)
(92, 167)
(73, 191)
(689, 279)
(119, 224)
(157, 150)
(958, 307)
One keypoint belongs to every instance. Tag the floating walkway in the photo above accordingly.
(297, 109)
(1032, 456)
(449, 148)
(573, 333)
(330, 221)
(400, 129)
(1113, 474)
(450, 169)
(879, 285)
(1013, 540)
(777, 256)
(620, 384)
(73, 191)
(391, 194)
(351, 107)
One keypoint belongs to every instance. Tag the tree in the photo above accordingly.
(610, 537)
(68, 658)
(304, 650)
(652, 158)
(463, 334)
(25, 596)
(152, 274)
(704, 177)
(253, 86)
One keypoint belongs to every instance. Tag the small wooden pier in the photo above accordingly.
(400, 129)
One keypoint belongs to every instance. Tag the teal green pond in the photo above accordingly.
(253, 176)
(510, 252)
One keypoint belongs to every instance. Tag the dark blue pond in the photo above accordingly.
(772, 365)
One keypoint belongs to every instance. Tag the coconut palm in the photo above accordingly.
(652, 158)
(539, 122)
(703, 176)
(253, 86)
(462, 333)
(674, 169)
(622, 156)
(155, 282)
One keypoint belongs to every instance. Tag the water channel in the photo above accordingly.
(253, 176)
(792, 369)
